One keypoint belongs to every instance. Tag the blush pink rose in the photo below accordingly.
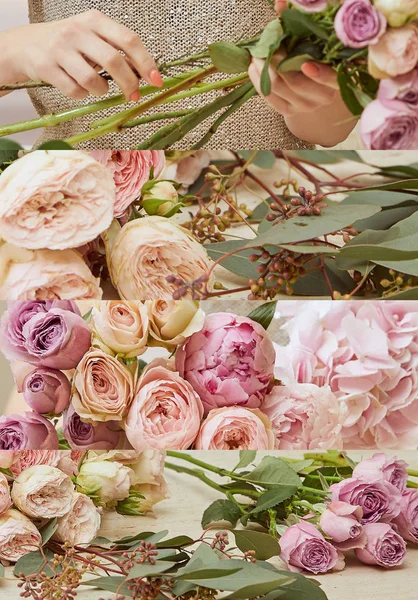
(235, 428)
(18, 536)
(389, 125)
(47, 391)
(407, 520)
(5, 499)
(340, 522)
(165, 413)
(380, 467)
(403, 88)
(304, 548)
(380, 500)
(130, 170)
(229, 361)
(384, 546)
(55, 199)
(310, 6)
(305, 417)
(24, 459)
(395, 53)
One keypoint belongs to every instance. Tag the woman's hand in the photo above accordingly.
(67, 53)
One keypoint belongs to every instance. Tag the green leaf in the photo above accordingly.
(48, 531)
(176, 542)
(327, 156)
(269, 41)
(8, 145)
(273, 497)
(204, 555)
(113, 583)
(55, 145)
(347, 93)
(411, 294)
(31, 563)
(264, 314)
(273, 471)
(150, 536)
(238, 263)
(147, 569)
(229, 58)
(385, 198)
(264, 159)
(386, 218)
(301, 465)
(301, 588)
(246, 457)
(221, 510)
(294, 63)
(2, 571)
(301, 24)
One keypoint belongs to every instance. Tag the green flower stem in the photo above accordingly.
(314, 491)
(412, 473)
(199, 463)
(174, 114)
(327, 459)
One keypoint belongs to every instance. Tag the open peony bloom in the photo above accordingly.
(43, 492)
(384, 546)
(55, 200)
(122, 327)
(341, 522)
(230, 361)
(81, 524)
(27, 431)
(18, 536)
(380, 466)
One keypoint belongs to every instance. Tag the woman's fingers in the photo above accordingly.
(83, 73)
(279, 6)
(66, 84)
(276, 102)
(322, 74)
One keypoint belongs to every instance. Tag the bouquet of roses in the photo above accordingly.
(61, 494)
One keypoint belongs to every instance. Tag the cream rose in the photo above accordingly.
(395, 53)
(143, 253)
(122, 327)
(172, 321)
(108, 482)
(43, 492)
(103, 388)
(45, 275)
(81, 524)
(18, 536)
(5, 499)
(397, 12)
(147, 478)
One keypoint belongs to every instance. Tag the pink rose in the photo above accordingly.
(7, 458)
(18, 536)
(407, 520)
(228, 362)
(47, 391)
(24, 459)
(304, 548)
(27, 431)
(380, 500)
(55, 200)
(190, 166)
(5, 499)
(403, 88)
(85, 436)
(305, 417)
(130, 170)
(165, 413)
(69, 461)
(235, 428)
(340, 521)
(389, 125)
(395, 53)
(380, 467)
(358, 24)
(384, 546)
(310, 6)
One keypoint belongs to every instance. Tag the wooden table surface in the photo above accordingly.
(181, 514)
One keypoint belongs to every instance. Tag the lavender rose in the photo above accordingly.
(384, 546)
(47, 391)
(358, 24)
(380, 500)
(403, 88)
(340, 521)
(27, 431)
(407, 520)
(229, 362)
(380, 467)
(389, 125)
(311, 6)
(85, 436)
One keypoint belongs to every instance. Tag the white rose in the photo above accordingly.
(172, 321)
(81, 524)
(106, 481)
(161, 199)
(122, 327)
(397, 12)
(18, 536)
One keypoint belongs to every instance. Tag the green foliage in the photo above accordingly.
(229, 58)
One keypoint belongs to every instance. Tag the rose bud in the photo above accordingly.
(107, 482)
(161, 198)
(5, 499)
(229, 362)
(380, 467)
(304, 548)
(47, 391)
(380, 501)
(18, 536)
(85, 436)
(340, 521)
(171, 322)
(122, 327)
(384, 547)
(43, 492)
(81, 524)
(407, 520)
(27, 431)
(28, 458)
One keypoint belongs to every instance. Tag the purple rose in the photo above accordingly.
(12, 323)
(403, 88)
(229, 362)
(311, 6)
(63, 305)
(407, 520)
(381, 467)
(358, 24)
(84, 436)
(384, 546)
(47, 391)
(380, 500)
(389, 125)
(28, 431)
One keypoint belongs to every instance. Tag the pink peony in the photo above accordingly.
(379, 500)
(305, 417)
(384, 546)
(380, 467)
(407, 520)
(341, 522)
(130, 170)
(230, 361)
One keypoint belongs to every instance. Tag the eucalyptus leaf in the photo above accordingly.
(229, 58)
(301, 588)
(2, 571)
(264, 314)
(111, 583)
(219, 511)
(327, 156)
(264, 159)
(176, 542)
(31, 563)
(55, 145)
(147, 569)
(48, 531)
(383, 198)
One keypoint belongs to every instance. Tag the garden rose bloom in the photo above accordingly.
(304, 548)
(130, 170)
(165, 413)
(305, 417)
(187, 166)
(47, 391)
(103, 388)
(18, 536)
(5, 499)
(81, 524)
(340, 521)
(389, 125)
(69, 461)
(380, 501)
(85, 436)
(397, 12)
(172, 321)
(43, 492)
(310, 5)
(122, 327)
(395, 53)
(407, 520)
(403, 88)
(109, 482)
(384, 546)
(55, 200)
(358, 24)
(380, 467)
(146, 251)
(23, 459)
(230, 361)
(27, 431)
(235, 428)
(6, 458)
(45, 274)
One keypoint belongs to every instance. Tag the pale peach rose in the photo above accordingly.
(24, 459)
(55, 199)
(5, 499)
(172, 321)
(235, 428)
(147, 478)
(103, 388)
(395, 53)
(18, 536)
(122, 327)
(45, 275)
(69, 461)
(7, 457)
(81, 524)
(107, 482)
(165, 412)
(43, 492)
(145, 252)
(397, 12)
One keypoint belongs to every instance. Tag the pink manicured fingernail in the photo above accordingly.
(310, 69)
(156, 78)
(135, 96)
